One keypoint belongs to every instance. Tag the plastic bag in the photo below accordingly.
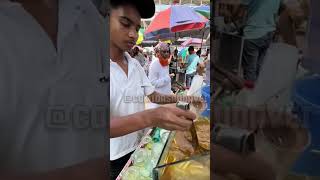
(196, 85)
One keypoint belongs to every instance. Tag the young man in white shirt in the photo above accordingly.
(51, 56)
(159, 70)
(129, 85)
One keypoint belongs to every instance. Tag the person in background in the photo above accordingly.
(258, 31)
(199, 53)
(201, 69)
(159, 70)
(198, 80)
(138, 56)
(192, 61)
(148, 57)
(174, 62)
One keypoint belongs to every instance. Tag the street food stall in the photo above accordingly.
(166, 154)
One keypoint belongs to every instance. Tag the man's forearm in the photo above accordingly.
(120, 126)
(158, 83)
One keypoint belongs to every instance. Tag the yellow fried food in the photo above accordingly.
(188, 135)
(181, 146)
(187, 170)
(203, 133)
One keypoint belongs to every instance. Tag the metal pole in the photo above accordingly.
(202, 37)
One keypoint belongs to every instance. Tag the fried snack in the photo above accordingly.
(181, 147)
(175, 155)
(183, 144)
(188, 135)
(187, 170)
(203, 133)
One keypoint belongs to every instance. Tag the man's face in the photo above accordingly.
(124, 26)
(164, 50)
(165, 53)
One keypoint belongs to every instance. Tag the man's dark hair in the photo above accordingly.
(117, 3)
(135, 51)
(146, 8)
(191, 48)
(198, 52)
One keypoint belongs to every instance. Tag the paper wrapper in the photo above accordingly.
(181, 147)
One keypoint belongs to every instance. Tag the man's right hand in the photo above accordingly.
(172, 118)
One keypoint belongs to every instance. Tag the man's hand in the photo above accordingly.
(172, 75)
(158, 98)
(196, 101)
(172, 118)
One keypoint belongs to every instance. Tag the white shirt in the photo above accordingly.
(127, 97)
(38, 81)
(159, 77)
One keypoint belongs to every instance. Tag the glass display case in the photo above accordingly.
(181, 155)
(195, 167)
(163, 153)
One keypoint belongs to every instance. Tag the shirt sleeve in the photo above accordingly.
(154, 76)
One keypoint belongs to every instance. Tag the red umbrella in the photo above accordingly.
(177, 18)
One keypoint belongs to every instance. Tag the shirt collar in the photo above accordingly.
(127, 55)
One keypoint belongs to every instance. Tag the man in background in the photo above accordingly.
(159, 70)
(258, 30)
(192, 61)
(137, 54)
